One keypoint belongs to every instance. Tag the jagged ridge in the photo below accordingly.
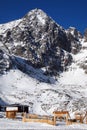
(41, 41)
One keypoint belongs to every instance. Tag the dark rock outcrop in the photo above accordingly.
(85, 35)
(74, 37)
(5, 62)
(41, 41)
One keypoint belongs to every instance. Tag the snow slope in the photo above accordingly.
(68, 92)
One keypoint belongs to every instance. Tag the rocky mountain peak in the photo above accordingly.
(76, 34)
(37, 14)
(40, 40)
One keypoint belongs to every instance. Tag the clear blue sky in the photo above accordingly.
(64, 12)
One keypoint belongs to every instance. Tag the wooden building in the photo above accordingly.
(11, 112)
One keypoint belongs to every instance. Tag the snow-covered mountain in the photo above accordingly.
(38, 39)
(42, 64)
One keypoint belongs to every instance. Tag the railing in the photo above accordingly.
(38, 118)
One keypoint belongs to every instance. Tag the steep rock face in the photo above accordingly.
(74, 37)
(85, 35)
(5, 62)
(40, 40)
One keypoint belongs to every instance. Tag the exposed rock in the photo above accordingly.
(5, 62)
(74, 38)
(40, 40)
(85, 35)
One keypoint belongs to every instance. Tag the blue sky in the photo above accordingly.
(64, 12)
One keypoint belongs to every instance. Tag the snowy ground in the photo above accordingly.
(18, 124)
(69, 92)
